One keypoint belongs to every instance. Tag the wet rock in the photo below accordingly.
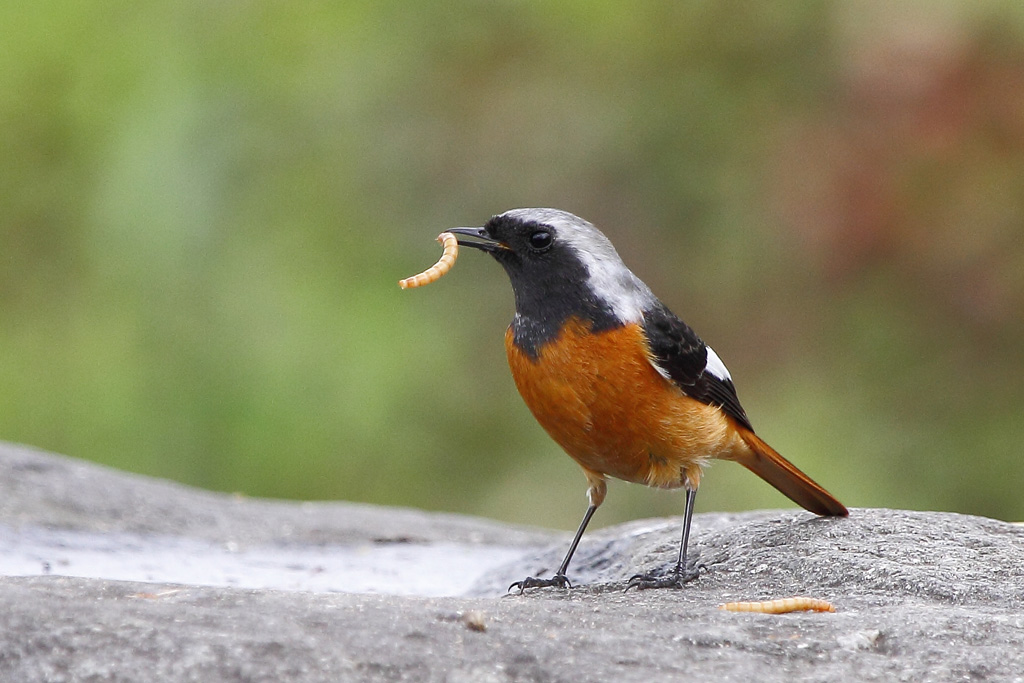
(919, 596)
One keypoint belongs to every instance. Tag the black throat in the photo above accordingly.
(548, 295)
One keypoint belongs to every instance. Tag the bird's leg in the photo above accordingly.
(682, 573)
(596, 495)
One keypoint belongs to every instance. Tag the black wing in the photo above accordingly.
(683, 356)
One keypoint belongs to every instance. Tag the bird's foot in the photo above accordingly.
(674, 579)
(558, 580)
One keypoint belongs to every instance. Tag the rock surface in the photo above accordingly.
(919, 596)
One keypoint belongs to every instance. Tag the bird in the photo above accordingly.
(623, 385)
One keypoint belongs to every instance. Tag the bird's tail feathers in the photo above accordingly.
(765, 462)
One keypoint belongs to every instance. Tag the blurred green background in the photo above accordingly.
(205, 207)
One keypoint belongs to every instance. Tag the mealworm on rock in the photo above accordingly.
(438, 270)
(782, 606)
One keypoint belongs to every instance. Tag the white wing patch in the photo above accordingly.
(716, 367)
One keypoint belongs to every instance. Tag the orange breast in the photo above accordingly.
(600, 398)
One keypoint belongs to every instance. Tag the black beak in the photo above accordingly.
(485, 243)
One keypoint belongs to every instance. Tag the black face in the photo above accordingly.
(509, 238)
(529, 239)
(548, 278)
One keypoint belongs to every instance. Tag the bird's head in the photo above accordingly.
(560, 266)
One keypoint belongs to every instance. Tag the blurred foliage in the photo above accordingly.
(204, 209)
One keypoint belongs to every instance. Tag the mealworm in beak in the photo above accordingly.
(438, 270)
(783, 606)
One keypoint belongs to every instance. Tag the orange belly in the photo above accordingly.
(601, 400)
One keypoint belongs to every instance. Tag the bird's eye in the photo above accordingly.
(540, 240)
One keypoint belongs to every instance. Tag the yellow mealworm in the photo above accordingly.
(436, 271)
(797, 604)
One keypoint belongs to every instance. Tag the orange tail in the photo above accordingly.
(763, 461)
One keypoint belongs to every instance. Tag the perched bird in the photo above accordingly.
(625, 387)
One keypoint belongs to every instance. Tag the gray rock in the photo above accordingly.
(45, 489)
(918, 595)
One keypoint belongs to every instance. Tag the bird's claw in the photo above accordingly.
(558, 580)
(674, 579)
